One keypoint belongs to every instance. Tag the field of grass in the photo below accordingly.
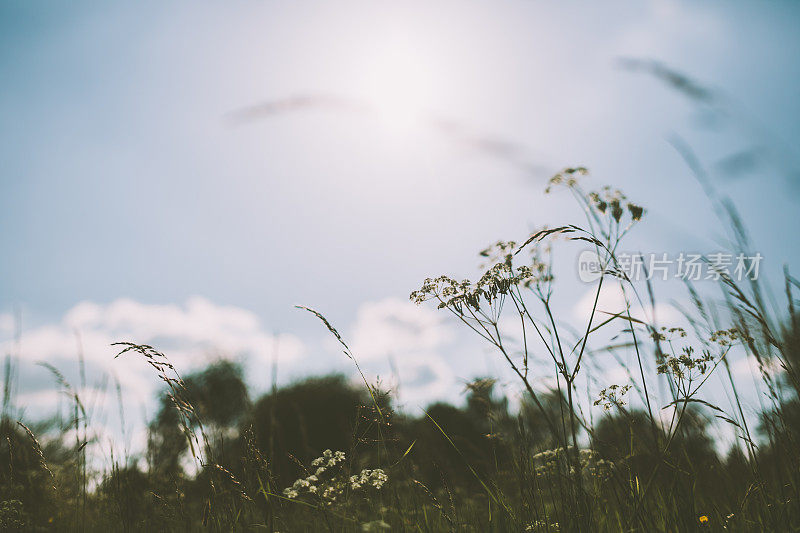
(579, 455)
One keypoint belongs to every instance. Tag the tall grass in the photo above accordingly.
(577, 454)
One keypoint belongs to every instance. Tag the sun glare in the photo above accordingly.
(398, 85)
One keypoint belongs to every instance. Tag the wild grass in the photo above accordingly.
(576, 454)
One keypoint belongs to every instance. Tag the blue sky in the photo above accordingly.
(126, 179)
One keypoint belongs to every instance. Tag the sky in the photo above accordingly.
(183, 174)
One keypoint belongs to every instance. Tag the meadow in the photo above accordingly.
(579, 454)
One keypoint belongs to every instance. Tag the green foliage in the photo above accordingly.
(12, 516)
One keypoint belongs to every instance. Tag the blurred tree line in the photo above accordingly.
(261, 445)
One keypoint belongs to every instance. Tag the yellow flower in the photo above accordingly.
(703, 519)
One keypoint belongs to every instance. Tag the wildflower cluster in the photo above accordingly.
(328, 483)
(614, 203)
(567, 177)
(607, 201)
(728, 337)
(369, 478)
(328, 460)
(542, 525)
(497, 281)
(593, 466)
(684, 365)
(501, 251)
(311, 484)
(604, 209)
(612, 395)
(550, 462)
(303, 484)
(668, 334)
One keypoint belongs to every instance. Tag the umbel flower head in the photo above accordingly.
(613, 395)
(497, 281)
(605, 209)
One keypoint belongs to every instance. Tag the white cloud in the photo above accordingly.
(6, 324)
(91, 397)
(198, 325)
(399, 340)
(612, 300)
(749, 367)
(395, 327)
(617, 375)
(190, 335)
